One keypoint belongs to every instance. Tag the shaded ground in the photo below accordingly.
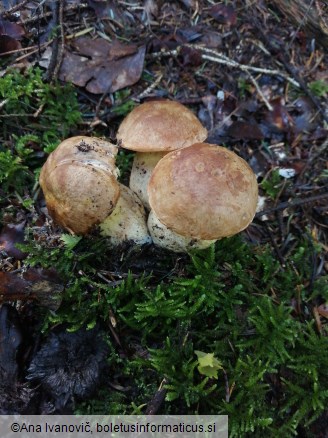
(255, 73)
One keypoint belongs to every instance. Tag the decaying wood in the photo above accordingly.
(308, 16)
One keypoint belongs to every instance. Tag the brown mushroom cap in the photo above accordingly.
(79, 182)
(203, 191)
(162, 125)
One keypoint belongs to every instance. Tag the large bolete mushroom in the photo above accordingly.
(152, 130)
(79, 182)
(201, 192)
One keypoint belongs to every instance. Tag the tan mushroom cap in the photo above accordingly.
(79, 182)
(161, 125)
(203, 191)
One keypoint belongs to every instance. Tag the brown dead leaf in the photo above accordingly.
(9, 236)
(191, 56)
(11, 29)
(278, 119)
(7, 44)
(10, 33)
(323, 310)
(211, 39)
(35, 284)
(105, 9)
(245, 131)
(101, 66)
(224, 14)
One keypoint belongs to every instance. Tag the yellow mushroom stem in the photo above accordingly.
(172, 241)
(142, 168)
(128, 220)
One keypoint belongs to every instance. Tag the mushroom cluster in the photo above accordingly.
(195, 192)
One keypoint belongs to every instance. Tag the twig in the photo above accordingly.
(156, 402)
(228, 390)
(39, 110)
(164, 53)
(22, 49)
(283, 58)
(15, 8)
(300, 24)
(3, 103)
(67, 10)
(149, 89)
(58, 45)
(212, 55)
(258, 89)
(275, 246)
(292, 204)
(322, 149)
(62, 39)
(223, 59)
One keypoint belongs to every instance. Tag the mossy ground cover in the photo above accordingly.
(233, 330)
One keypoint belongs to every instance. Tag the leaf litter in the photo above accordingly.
(243, 80)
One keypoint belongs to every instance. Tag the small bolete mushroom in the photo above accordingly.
(152, 130)
(201, 192)
(79, 182)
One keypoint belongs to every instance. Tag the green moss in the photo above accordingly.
(233, 302)
(35, 117)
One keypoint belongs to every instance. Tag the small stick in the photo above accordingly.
(322, 149)
(149, 89)
(290, 204)
(212, 55)
(282, 261)
(258, 89)
(220, 57)
(48, 14)
(15, 8)
(156, 402)
(3, 103)
(62, 39)
(58, 46)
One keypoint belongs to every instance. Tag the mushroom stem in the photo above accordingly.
(172, 241)
(128, 220)
(142, 168)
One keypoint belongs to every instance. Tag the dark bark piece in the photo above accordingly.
(10, 340)
(69, 365)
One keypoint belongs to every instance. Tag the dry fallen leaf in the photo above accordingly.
(36, 284)
(245, 131)
(323, 310)
(9, 236)
(8, 44)
(224, 14)
(13, 30)
(102, 67)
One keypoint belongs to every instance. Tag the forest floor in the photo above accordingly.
(238, 329)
